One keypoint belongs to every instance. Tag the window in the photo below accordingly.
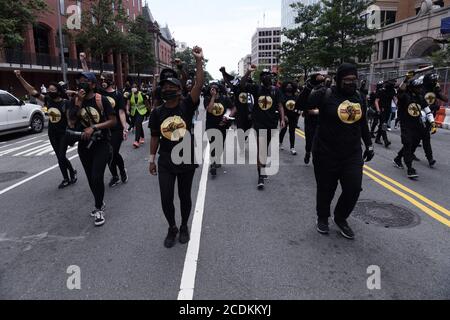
(387, 17)
(8, 100)
(385, 49)
(399, 47)
(388, 49)
(391, 49)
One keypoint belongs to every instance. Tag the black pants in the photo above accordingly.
(94, 162)
(59, 144)
(244, 123)
(410, 140)
(223, 132)
(265, 143)
(382, 129)
(138, 119)
(349, 174)
(292, 123)
(311, 123)
(375, 122)
(117, 160)
(167, 175)
(426, 142)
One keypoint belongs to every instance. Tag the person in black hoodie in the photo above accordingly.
(292, 112)
(268, 111)
(316, 82)
(57, 108)
(337, 152)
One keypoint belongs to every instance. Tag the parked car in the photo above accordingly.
(16, 115)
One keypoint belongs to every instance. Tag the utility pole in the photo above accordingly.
(61, 46)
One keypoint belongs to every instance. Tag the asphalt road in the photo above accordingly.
(253, 244)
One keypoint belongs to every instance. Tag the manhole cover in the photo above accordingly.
(9, 176)
(385, 215)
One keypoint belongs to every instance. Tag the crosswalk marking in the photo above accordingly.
(28, 150)
(8, 151)
(36, 148)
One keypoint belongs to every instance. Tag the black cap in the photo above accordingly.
(90, 76)
(173, 81)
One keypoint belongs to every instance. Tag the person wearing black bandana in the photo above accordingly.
(92, 114)
(217, 105)
(316, 82)
(170, 123)
(119, 132)
(292, 112)
(337, 153)
(57, 112)
(267, 112)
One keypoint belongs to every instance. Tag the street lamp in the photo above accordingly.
(61, 47)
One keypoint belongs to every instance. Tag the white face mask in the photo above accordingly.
(134, 90)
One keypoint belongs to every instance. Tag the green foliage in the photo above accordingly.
(15, 16)
(189, 63)
(141, 45)
(441, 58)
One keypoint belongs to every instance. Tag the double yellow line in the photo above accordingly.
(426, 205)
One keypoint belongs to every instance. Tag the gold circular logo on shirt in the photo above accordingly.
(290, 105)
(414, 110)
(218, 109)
(112, 101)
(173, 128)
(349, 112)
(54, 115)
(86, 119)
(430, 97)
(243, 98)
(265, 102)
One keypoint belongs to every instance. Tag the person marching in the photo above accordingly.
(170, 123)
(268, 111)
(412, 109)
(316, 82)
(292, 112)
(119, 132)
(337, 152)
(138, 108)
(57, 112)
(383, 104)
(217, 106)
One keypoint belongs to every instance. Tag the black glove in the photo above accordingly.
(368, 154)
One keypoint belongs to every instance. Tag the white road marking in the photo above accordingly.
(190, 263)
(8, 151)
(29, 150)
(32, 177)
(40, 152)
(17, 142)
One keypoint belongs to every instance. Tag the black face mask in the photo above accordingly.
(169, 95)
(267, 81)
(85, 87)
(53, 95)
(349, 89)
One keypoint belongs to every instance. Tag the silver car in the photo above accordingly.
(16, 115)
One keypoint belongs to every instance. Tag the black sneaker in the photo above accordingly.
(124, 176)
(307, 157)
(99, 218)
(184, 235)
(412, 174)
(387, 144)
(346, 231)
(260, 183)
(114, 182)
(322, 226)
(64, 184)
(169, 242)
(378, 142)
(415, 158)
(213, 170)
(73, 177)
(431, 163)
(398, 163)
(102, 209)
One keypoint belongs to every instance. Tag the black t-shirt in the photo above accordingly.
(342, 124)
(291, 109)
(409, 110)
(91, 114)
(386, 95)
(221, 105)
(431, 97)
(265, 113)
(171, 125)
(244, 103)
(118, 103)
(57, 116)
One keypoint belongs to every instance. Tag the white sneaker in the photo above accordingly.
(102, 209)
(99, 218)
(293, 152)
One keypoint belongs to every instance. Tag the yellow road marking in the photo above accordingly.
(419, 205)
(417, 195)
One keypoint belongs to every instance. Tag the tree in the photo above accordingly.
(141, 45)
(15, 17)
(299, 51)
(190, 65)
(100, 31)
(441, 58)
(342, 32)
(256, 75)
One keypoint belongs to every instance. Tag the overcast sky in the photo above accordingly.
(222, 28)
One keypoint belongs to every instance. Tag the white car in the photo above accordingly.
(16, 115)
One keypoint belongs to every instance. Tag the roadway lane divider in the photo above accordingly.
(403, 191)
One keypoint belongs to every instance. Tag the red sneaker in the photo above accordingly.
(141, 141)
(136, 145)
